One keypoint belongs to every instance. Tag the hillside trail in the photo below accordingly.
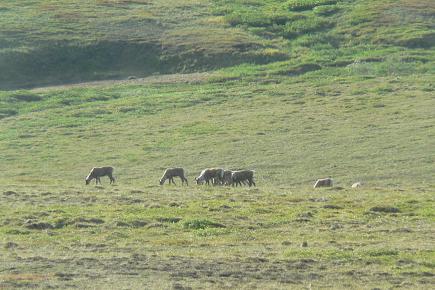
(154, 79)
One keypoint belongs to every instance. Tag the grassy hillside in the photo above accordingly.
(46, 42)
(58, 41)
(295, 90)
(378, 129)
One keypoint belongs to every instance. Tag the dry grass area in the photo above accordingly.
(194, 237)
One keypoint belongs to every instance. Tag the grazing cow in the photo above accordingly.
(216, 175)
(170, 173)
(356, 185)
(98, 172)
(240, 176)
(324, 182)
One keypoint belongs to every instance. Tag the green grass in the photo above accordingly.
(300, 5)
(197, 237)
(296, 90)
(351, 125)
(51, 42)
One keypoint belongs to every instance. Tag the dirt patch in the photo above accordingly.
(304, 217)
(132, 224)
(319, 199)
(122, 224)
(35, 225)
(171, 220)
(90, 220)
(23, 277)
(64, 276)
(331, 206)
(385, 209)
(136, 191)
(11, 245)
(10, 192)
(80, 225)
(336, 188)
(157, 225)
(300, 69)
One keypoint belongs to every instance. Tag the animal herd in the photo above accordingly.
(215, 176)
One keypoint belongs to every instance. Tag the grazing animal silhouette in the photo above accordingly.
(216, 175)
(170, 173)
(324, 182)
(356, 185)
(240, 176)
(227, 177)
(98, 172)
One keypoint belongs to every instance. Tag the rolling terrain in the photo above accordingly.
(296, 90)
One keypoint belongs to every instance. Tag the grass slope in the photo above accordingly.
(351, 97)
(46, 42)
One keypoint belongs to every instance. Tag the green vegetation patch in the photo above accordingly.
(201, 224)
(301, 5)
